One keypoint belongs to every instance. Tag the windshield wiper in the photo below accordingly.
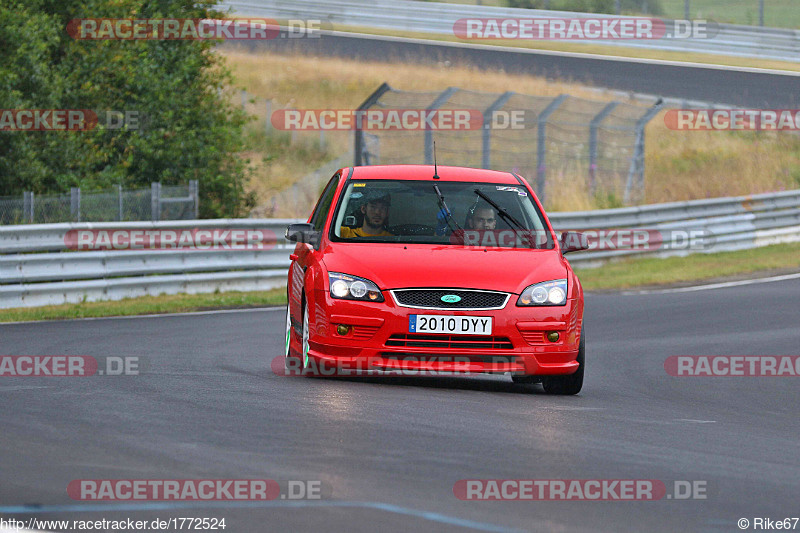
(508, 217)
(448, 216)
(500, 211)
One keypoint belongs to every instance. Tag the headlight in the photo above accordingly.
(545, 293)
(347, 287)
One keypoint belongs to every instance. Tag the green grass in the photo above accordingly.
(632, 273)
(147, 305)
(777, 13)
(619, 275)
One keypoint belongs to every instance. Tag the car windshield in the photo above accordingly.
(486, 215)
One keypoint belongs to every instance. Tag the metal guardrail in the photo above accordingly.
(439, 18)
(60, 275)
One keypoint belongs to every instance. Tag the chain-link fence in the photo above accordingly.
(178, 202)
(585, 143)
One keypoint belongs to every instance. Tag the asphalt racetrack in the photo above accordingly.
(749, 88)
(388, 451)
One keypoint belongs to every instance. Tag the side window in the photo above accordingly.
(324, 204)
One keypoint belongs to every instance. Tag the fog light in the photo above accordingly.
(553, 336)
(341, 329)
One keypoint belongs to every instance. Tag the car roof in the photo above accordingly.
(425, 172)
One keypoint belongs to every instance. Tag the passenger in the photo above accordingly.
(481, 216)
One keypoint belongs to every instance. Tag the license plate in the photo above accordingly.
(458, 325)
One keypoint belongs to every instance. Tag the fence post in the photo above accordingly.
(359, 132)
(244, 98)
(593, 125)
(194, 192)
(155, 201)
(75, 203)
(27, 206)
(636, 169)
(541, 146)
(268, 124)
(487, 127)
(119, 196)
(439, 102)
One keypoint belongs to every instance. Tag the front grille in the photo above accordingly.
(461, 358)
(432, 298)
(424, 340)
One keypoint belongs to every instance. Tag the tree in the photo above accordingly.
(187, 129)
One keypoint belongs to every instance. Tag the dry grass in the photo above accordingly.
(680, 165)
(686, 165)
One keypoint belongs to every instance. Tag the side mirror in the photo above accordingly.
(302, 232)
(573, 241)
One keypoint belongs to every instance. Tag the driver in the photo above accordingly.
(376, 215)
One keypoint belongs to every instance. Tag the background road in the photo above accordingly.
(753, 89)
(208, 406)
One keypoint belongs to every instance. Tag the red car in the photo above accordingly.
(413, 268)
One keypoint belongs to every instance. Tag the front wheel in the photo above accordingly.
(287, 364)
(572, 383)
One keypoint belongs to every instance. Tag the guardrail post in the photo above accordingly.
(439, 102)
(358, 155)
(761, 13)
(27, 206)
(487, 127)
(541, 146)
(75, 203)
(636, 169)
(194, 192)
(593, 125)
(155, 201)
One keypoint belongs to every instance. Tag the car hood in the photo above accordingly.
(394, 266)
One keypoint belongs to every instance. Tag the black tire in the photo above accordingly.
(572, 383)
(287, 366)
(300, 364)
(525, 380)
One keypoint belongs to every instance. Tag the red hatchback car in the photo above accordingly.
(413, 268)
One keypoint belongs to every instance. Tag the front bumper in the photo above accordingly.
(378, 339)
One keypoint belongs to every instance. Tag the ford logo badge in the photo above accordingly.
(451, 298)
